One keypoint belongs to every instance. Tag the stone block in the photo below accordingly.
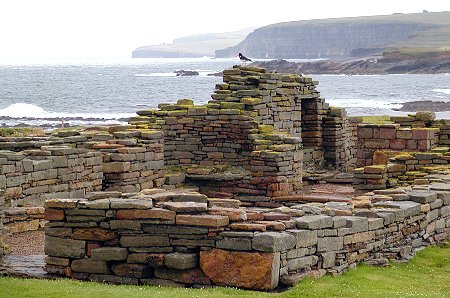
(155, 213)
(357, 224)
(250, 270)
(94, 233)
(53, 214)
(131, 203)
(188, 276)
(109, 254)
(330, 244)
(144, 240)
(181, 261)
(202, 220)
(314, 222)
(304, 238)
(65, 248)
(185, 207)
(302, 263)
(90, 266)
(125, 224)
(328, 259)
(273, 241)
(132, 270)
(238, 243)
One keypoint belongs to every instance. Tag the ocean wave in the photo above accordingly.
(26, 110)
(366, 103)
(445, 91)
(156, 74)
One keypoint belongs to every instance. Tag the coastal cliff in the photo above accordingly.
(344, 37)
(399, 61)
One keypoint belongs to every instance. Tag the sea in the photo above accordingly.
(109, 91)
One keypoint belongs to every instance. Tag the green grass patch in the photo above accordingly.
(21, 131)
(383, 119)
(427, 275)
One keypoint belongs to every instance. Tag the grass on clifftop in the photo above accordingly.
(427, 275)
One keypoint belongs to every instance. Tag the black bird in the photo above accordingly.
(243, 58)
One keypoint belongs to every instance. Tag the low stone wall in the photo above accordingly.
(33, 176)
(22, 219)
(372, 137)
(181, 238)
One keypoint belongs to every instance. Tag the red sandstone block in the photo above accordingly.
(420, 134)
(155, 213)
(423, 145)
(411, 144)
(365, 133)
(387, 133)
(397, 144)
(53, 214)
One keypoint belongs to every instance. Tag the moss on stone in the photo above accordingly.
(266, 129)
(251, 101)
(232, 105)
(185, 102)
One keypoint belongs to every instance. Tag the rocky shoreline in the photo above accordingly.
(424, 105)
(388, 63)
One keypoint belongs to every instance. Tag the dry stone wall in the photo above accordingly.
(186, 239)
(391, 137)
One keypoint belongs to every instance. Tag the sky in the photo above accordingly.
(58, 29)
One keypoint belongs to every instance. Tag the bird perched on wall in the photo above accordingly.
(244, 59)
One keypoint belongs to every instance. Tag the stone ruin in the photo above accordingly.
(189, 195)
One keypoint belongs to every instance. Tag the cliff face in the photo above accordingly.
(332, 38)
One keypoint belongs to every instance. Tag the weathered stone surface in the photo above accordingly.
(132, 270)
(174, 229)
(66, 248)
(144, 240)
(109, 254)
(152, 259)
(241, 269)
(233, 214)
(273, 241)
(181, 261)
(58, 232)
(245, 226)
(301, 263)
(57, 261)
(125, 224)
(53, 214)
(61, 203)
(224, 203)
(330, 244)
(238, 243)
(422, 197)
(189, 276)
(304, 238)
(131, 203)
(90, 266)
(185, 207)
(202, 220)
(155, 213)
(94, 233)
(328, 259)
(190, 197)
(314, 222)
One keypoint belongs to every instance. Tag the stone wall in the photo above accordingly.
(33, 176)
(71, 164)
(391, 137)
(184, 238)
(2, 233)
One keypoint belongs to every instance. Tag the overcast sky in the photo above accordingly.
(43, 29)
